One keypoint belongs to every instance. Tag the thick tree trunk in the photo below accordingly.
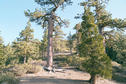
(93, 79)
(50, 43)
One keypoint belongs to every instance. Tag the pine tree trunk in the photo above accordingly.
(77, 45)
(50, 44)
(93, 79)
(24, 59)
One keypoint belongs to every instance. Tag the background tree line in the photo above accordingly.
(91, 44)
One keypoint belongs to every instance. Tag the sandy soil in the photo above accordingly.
(69, 76)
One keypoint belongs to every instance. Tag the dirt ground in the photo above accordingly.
(69, 76)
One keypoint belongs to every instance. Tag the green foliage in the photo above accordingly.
(53, 3)
(116, 48)
(19, 69)
(70, 40)
(27, 33)
(58, 39)
(26, 49)
(2, 57)
(76, 61)
(32, 68)
(8, 78)
(92, 49)
(44, 42)
(36, 62)
(26, 46)
(49, 7)
(11, 58)
(47, 18)
(103, 18)
(77, 35)
(61, 60)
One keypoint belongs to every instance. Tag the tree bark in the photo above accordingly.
(50, 43)
(93, 79)
(77, 44)
(25, 59)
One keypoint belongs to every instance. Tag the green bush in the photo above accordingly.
(30, 60)
(32, 68)
(12, 61)
(19, 69)
(8, 78)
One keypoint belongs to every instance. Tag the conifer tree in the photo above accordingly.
(96, 62)
(77, 35)
(27, 33)
(70, 42)
(47, 18)
(103, 19)
(57, 39)
(25, 45)
(116, 47)
(44, 43)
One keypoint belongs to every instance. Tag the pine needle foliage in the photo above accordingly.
(96, 62)
(2, 57)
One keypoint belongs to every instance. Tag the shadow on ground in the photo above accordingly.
(119, 75)
(51, 80)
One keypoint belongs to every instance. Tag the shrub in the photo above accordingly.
(19, 69)
(30, 60)
(32, 68)
(36, 62)
(8, 78)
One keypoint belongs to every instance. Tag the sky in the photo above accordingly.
(13, 20)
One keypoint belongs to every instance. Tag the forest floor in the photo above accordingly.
(68, 76)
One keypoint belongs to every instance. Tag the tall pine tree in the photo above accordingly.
(57, 39)
(47, 18)
(27, 33)
(26, 46)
